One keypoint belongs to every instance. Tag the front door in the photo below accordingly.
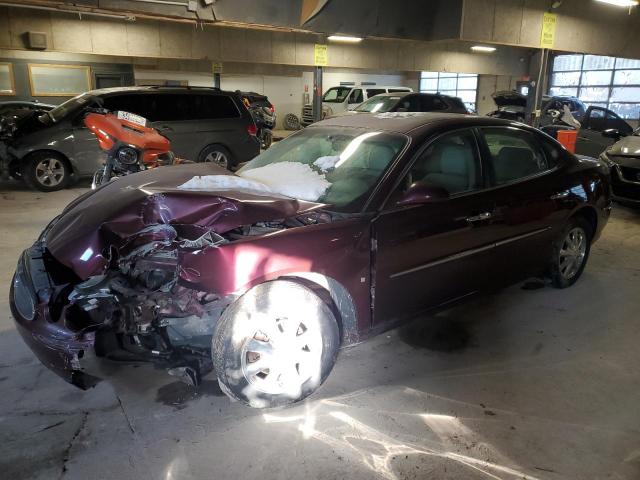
(427, 254)
(591, 141)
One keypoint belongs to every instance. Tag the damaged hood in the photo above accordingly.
(108, 217)
(626, 147)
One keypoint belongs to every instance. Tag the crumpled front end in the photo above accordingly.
(119, 276)
(134, 312)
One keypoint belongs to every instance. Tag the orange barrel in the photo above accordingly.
(568, 138)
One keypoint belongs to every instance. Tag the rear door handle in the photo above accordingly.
(559, 196)
(480, 217)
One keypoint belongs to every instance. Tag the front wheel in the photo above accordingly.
(571, 252)
(46, 171)
(217, 154)
(275, 345)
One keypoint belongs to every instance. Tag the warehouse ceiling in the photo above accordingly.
(584, 26)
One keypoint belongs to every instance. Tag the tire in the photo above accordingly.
(46, 171)
(571, 252)
(217, 154)
(276, 330)
(267, 138)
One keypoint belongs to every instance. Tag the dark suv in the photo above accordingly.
(203, 124)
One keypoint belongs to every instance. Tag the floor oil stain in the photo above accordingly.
(179, 394)
(439, 334)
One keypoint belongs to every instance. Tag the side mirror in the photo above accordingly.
(612, 133)
(420, 193)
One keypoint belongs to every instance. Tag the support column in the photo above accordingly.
(216, 80)
(317, 94)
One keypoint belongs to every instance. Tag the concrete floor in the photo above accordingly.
(527, 383)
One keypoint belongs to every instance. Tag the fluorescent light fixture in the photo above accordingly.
(620, 3)
(344, 38)
(483, 48)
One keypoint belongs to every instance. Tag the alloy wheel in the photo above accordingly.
(50, 172)
(281, 356)
(573, 252)
(218, 158)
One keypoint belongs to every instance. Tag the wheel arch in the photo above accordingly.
(214, 144)
(337, 297)
(58, 153)
(590, 214)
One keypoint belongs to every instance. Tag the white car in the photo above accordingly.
(346, 97)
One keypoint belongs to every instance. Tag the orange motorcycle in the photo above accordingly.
(131, 146)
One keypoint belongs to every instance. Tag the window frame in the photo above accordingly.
(424, 75)
(12, 79)
(610, 86)
(385, 207)
(488, 157)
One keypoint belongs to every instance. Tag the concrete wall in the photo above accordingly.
(583, 26)
(154, 39)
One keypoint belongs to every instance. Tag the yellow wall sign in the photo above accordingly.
(548, 36)
(320, 57)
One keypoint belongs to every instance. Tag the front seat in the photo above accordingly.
(455, 169)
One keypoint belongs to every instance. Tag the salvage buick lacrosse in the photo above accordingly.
(341, 230)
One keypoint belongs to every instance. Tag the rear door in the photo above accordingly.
(590, 140)
(192, 121)
(527, 186)
(429, 254)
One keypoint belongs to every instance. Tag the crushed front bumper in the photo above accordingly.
(56, 346)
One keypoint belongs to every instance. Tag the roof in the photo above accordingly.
(107, 91)
(405, 122)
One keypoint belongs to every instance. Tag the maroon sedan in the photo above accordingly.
(336, 233)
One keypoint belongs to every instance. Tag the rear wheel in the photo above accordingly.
(217, 154)
(571, 253)
(46, 171)
(275, 345)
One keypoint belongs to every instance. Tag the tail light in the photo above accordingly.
(273, 109)
(252, 129)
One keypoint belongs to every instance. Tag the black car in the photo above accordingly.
(412, 102)
(203, 124)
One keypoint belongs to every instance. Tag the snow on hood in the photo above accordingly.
(295, 180)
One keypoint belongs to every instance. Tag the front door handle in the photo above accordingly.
(559, 196)
(480, 217)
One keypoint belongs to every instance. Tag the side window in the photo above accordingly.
(431, 103)
(372, 92)
(172, 107)
(514, 154)
(208, 107)
(597, 120)
(409, 103)
(398, 90)
(356, 96)
(451, 162)
(140, 104)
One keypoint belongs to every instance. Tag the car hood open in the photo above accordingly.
(508, 98)
(110, 216)
(626, 147)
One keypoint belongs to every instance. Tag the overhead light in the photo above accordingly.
(344, 38)
(620, 3)
(483, 48)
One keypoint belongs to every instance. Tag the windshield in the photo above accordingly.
(339, 166)
(336, 94)
(378, 104)
(65, 108)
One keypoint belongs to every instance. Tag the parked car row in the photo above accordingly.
(203, 124)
